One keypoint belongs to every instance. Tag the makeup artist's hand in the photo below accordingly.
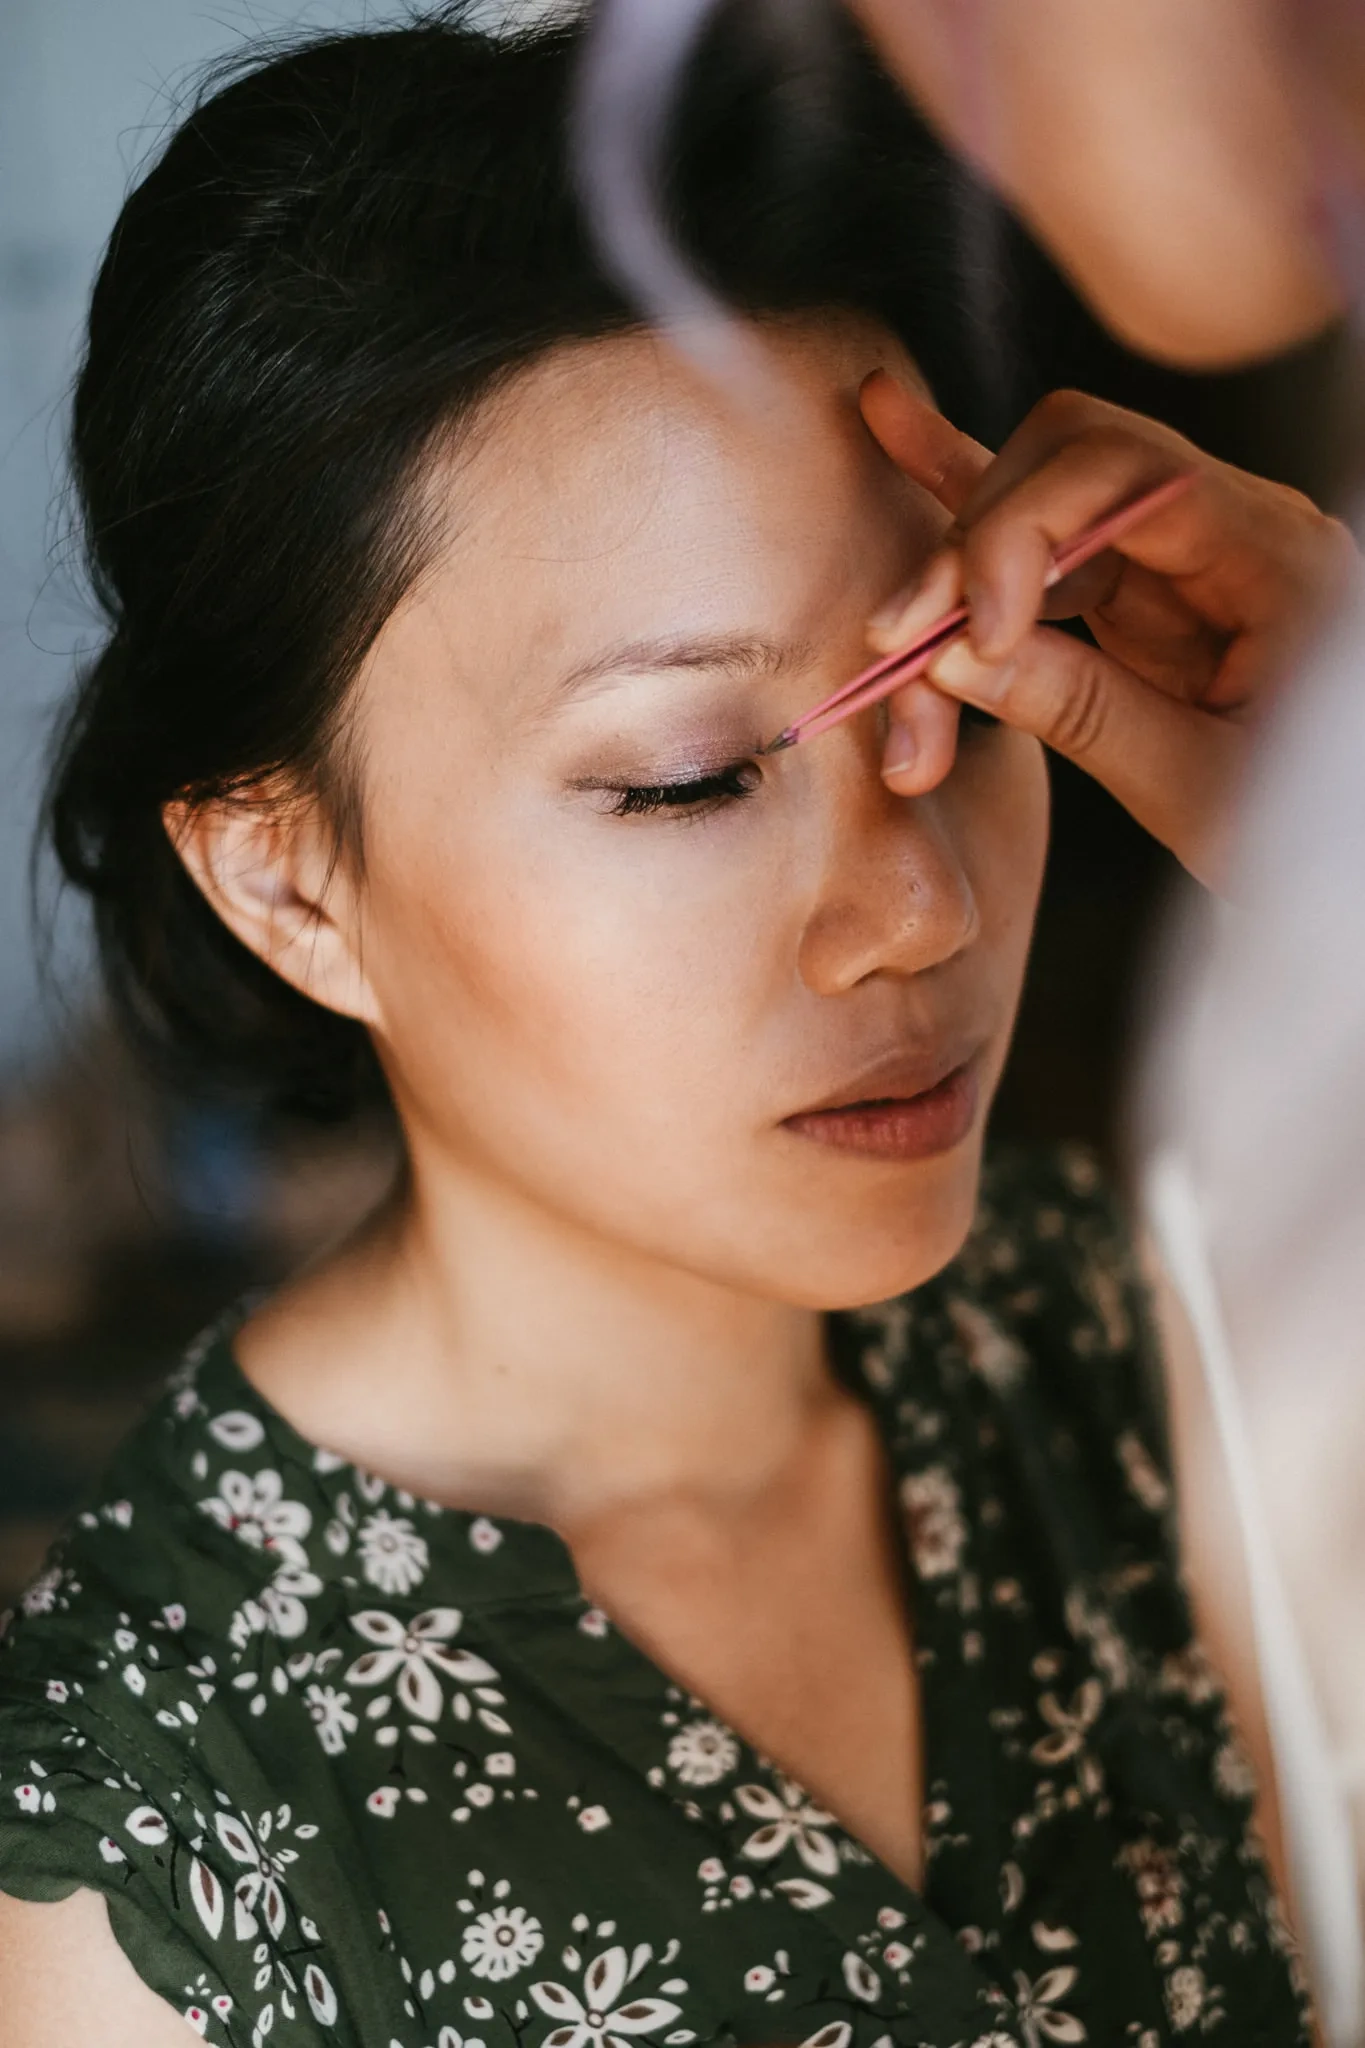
(1196, 611)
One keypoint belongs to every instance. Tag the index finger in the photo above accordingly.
(1008, 549)
(921, 442)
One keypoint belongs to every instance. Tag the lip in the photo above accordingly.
(905, 1108)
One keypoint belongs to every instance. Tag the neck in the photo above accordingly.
(478, 1350)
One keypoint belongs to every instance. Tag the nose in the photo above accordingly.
(893, 896)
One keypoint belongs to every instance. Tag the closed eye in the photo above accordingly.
(727, 785)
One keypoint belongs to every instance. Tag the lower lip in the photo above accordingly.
(912, 1127)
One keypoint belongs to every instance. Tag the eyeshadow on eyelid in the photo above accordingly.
(660, 757)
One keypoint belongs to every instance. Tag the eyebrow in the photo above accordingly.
(735, 654)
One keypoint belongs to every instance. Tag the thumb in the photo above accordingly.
(921, 441)
(1174, 766)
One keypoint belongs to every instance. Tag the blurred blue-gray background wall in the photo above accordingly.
(126, 1220)
(87, 89)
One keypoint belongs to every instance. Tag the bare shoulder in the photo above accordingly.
(59, 1963)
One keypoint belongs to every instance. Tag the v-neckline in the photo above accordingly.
(868, 1892)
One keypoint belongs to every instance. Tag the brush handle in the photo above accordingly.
(893, 671)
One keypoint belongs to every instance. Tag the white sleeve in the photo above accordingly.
(1314, 1794)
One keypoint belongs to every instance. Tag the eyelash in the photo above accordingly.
(727, 785)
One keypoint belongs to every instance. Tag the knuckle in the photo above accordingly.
(1064, 407)
(1102, 439)
(1081, 716)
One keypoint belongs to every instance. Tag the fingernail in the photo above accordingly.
(963, 674)
(900, 750)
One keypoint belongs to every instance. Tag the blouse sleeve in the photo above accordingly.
(73, 1817)
(104, 1786)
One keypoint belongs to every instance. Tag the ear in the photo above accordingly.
(270, 867)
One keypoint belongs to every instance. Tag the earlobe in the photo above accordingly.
(272, 872)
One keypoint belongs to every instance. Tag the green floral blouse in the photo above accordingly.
(355, 1770)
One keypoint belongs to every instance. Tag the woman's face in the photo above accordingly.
(612, 996)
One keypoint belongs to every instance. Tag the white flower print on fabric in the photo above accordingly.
(502, 1941)
(253, 1508)
(32, 1798)
(282, 1600)
(768, 1980)
(1069, 1725)
(1189, 1674)
(1159, 1885)
(235, 1430)
(322, 1999)
(40, 1596)
(594, 2019)
(206, 2005)
(1186, 1993)
(1053, 1940)
(331, 1715)
(861, 1979)
(1233, 1772)
(1104, 1286)
(262, 1883)
(788, 1816)
(410, 1650)
(1148, 1487)
(990, 1351)
(278, 1608)
(703, 1753)
(147, 1826)
(1091, 1623)
(1040, 2019)
(802, 1892)
(393, 1556)
(934, 1521)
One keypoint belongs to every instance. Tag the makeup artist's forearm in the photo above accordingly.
(1189, 231)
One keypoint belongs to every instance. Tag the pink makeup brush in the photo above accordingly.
(894, 670)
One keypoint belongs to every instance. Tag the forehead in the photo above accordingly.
(613, 491)
(601, 442)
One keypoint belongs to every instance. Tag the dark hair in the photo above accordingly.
(341, 251)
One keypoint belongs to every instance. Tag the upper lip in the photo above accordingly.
(898, 1075)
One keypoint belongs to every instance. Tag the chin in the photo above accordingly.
(886, 1241)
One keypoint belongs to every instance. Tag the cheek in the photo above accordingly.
(570, 964)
